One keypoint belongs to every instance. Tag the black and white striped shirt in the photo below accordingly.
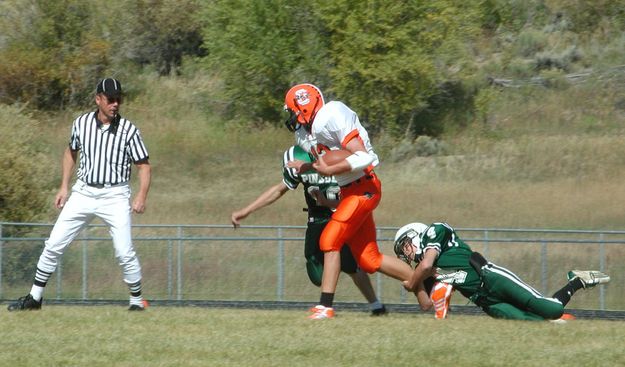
(106, 155)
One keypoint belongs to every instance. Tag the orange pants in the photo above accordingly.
(352, 223)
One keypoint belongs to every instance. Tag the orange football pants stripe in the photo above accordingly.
(352, 223)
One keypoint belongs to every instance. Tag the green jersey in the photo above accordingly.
(311, 181)
(453, 258)
(498, 291)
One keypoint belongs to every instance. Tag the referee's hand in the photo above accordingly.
(61, 198)
(138, 206)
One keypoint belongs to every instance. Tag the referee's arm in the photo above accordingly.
(145, 175)
(67, 168)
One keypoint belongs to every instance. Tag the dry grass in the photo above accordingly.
(557, 203)
(542, 159)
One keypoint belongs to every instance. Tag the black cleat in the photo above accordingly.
(136, 308)
(25, 303)
(379, 311)
(144, 304)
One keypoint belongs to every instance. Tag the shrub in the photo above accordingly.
(49, 60)
(423, 146)
(530, 42)
(26, 180)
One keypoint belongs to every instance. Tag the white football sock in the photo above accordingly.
(37, 292)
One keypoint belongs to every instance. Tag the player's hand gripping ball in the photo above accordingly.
(332, 157)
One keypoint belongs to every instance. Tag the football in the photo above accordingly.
(332, 157)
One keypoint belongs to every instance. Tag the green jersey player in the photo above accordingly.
(321, 195)
(437, 249)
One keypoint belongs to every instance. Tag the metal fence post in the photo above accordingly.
(486, 244)
(280, 285)
(84, 265)
(601, 268)
(378, 276)
(1, 243)
(543, 266)
(179, 266)
(170, 269)
(59, 278)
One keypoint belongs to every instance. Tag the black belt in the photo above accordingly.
(102, 186)
(365, 177)
(477, 261)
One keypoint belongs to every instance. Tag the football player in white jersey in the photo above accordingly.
(320, 194)
(333, 126)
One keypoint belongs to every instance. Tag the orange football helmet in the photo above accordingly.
(302, 102)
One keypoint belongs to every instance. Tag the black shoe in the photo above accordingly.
(25, 303)
(144, 304)
(379, 311)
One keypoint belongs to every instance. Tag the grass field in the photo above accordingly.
(554, 160)
(173, 336)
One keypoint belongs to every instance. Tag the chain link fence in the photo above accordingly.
(266, 263)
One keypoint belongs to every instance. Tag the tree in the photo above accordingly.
(50, 56)
(258, 49)
(156, 32)
(390, 58)
(385, 59)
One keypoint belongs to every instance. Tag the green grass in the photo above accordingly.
(170, 336)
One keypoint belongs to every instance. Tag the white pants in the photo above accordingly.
(112, 205)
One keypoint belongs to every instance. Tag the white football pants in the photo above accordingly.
(112, 205)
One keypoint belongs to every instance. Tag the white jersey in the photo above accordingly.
(334, 126)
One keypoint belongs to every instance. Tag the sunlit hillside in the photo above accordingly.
(541, 159)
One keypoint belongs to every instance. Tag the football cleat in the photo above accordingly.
(379, 311)
(563, 319)
(142, 307)
(441, 297)
(320, 312)
(25, 303)
(589, 278)
(315, 308)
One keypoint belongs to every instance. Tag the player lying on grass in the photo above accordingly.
(437, 249)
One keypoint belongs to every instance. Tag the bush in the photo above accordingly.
(562, 61)
(158, 33)
(423, 146)
(25, 189)
(50, 60)
(530, 42)
(26, 181)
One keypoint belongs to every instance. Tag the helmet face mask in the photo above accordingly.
(407, 240)
(302, 102)
(406, 249)
(291, 123)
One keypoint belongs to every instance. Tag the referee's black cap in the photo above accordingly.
(109, 86)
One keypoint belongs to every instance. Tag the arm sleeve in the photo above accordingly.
(433, 238)
(137, 149)
(289, 177)
(74, 140)
(359, 160)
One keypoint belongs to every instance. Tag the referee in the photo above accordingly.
(108, 144)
